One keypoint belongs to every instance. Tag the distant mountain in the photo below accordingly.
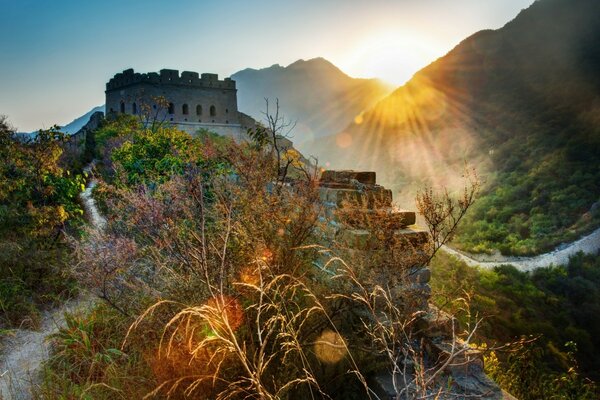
(75, 125)
(315, 93)
(522, 103)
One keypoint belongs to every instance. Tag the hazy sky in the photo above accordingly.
(56, 55)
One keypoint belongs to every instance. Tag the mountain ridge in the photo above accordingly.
(334, 96)
(521, 111)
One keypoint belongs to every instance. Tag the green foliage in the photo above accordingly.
(144, 156)
(524, 375)
(36, 194)
(532, 208)
(122, 126)
(37, 198)
(558, 304)
(88, 351)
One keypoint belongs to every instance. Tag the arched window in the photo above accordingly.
(185, 109)
(171, 108)
(134, 108)
(122, 107)
(198, 109)
(213, 111)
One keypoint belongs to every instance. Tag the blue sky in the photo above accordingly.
(56, 55)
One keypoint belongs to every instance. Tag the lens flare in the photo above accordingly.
(230, 308)
(330, 347)
(343, 140)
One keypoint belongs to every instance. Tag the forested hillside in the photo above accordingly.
(522, 104)
(553, 309)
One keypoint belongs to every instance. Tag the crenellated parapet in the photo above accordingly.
(169, 77)
(186, 100)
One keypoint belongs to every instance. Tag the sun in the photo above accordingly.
(392, 55)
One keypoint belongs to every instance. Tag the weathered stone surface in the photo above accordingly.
(344, 197)
(414, 296)
(436, 323)
(347, 176)
(418, 275)
(413, 240)
(379, 218)
(403, 218)
(357, 239)
(378, 196)
(462, 356)
(474, 384)
(414, 235)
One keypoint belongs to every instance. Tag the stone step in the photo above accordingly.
(347, 176)
(462, 355)
(371, 198)
(385, 218)
(362, 239)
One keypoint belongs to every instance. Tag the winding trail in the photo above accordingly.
(24, 352)
(589, 244)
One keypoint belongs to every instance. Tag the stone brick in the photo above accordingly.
(414, 235)
(346, 197)
(419, 275)
(357, 239)
(436, 323)
(444, 349)
(377, 197)
(347, 176)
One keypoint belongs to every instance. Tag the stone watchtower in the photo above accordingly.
(190, 101)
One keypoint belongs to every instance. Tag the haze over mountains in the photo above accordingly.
(315, 93)
(522, 104)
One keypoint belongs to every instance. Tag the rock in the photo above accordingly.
(380, 218)
(436, 323)
(356, 239)
(346, 176)
(419, 275)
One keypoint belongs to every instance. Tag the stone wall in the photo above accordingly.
(75, 146)
(384, 247)
(196, 102)
(382, 242)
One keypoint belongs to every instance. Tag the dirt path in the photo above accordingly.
(24, 352)
(589, 244)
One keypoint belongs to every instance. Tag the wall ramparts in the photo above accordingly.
(169, 77)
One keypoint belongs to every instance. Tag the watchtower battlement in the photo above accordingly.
(188, 100)
(169, 77)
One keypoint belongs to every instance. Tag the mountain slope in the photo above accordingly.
(78, 123)
(522, 103)
(315, 93)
